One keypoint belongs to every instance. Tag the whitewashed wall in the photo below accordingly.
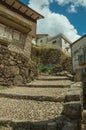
(66, 46)
(42, 41)
(55, 42)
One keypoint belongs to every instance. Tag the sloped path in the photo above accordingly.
(50, 83)
(34, 102)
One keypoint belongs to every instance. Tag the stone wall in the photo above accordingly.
(19, 42)
(77, 50)
(84, 120)
(78, 75)
(84, 107)
(15, 68)
(17, 38)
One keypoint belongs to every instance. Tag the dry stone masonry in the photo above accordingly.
(15, 68)
(17, 27)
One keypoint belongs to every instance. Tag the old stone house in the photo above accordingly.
(61, 41)
(79, 57)
(56, 41)
(40, 39)
(17, 27)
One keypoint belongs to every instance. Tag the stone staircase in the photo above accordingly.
(51, 82)
(48, 103)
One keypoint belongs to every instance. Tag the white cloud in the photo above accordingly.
(73, 4)
(53, 23)
(72, 9)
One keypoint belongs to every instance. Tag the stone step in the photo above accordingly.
(38, 94)
(36, 98)
(49, 84)
(59, 123)
(27, 125)
(52, 78)
(73, 95)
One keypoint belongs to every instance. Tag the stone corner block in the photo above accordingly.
(72, 109)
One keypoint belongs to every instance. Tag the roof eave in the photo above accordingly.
(33, 15)
(78, 39)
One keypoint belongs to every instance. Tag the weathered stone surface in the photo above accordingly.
(70, 126)
(13, 64)
(76, 85)
(18, 80)
(12, 71)
(84, 116)
(73, 95)
(52, 126)
(38, 126)
(60, 120)
(83, 127)
(1, 79)
(72, 109)
(21, 125)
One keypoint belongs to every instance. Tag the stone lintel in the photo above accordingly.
(15, 22)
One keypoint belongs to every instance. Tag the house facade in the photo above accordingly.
(79, 57)
(62, 42)
(17, 27)
(56, 41)
(40, 39)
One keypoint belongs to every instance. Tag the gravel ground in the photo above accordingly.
(29, 110)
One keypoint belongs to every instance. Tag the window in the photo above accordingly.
(76, 57)
(67, 48)
(41, 41)
(54, 42)
(65, 42)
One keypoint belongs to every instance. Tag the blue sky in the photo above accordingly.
(61, 16)
(78, 19)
